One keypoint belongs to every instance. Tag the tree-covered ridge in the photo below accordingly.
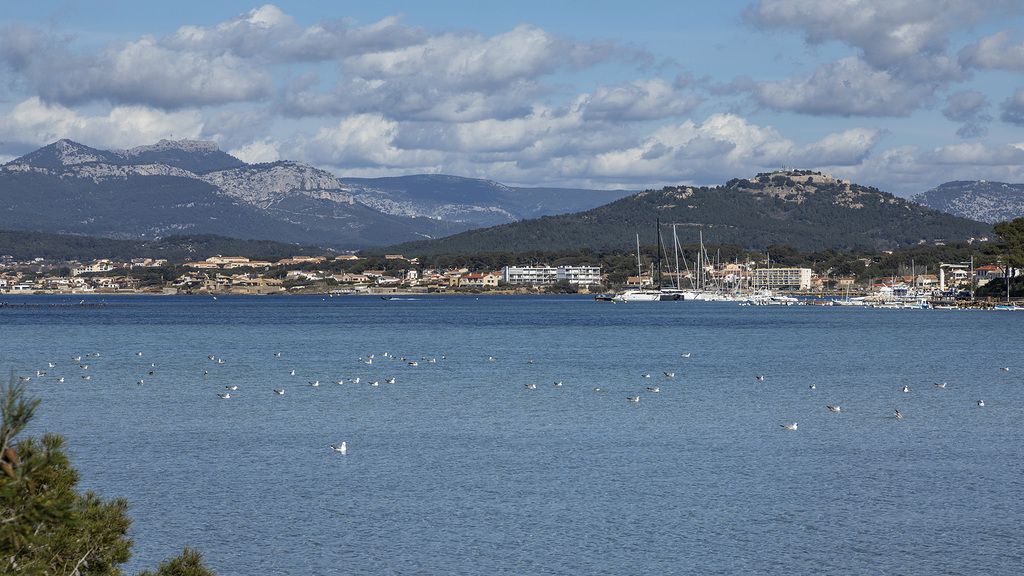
(802, 209)
(23, 246)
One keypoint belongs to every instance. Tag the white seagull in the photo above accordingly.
(789, 426)
(390, 380)
(278, 392)
(649, 389)
(897, 414)
(341, 448)
(981, 402)
(759, 377)
(687, 355)
(670, 374)
(905, 388)
(530, 386)
(834, 408)
(633, 398)
(235, 387)
(224, 395)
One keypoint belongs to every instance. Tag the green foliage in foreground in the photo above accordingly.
(47, 527)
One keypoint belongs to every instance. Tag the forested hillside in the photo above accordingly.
(802, 209)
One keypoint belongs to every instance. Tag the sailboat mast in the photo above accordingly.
(639, 270)
(657, 258)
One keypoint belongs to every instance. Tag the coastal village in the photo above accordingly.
(219, 275)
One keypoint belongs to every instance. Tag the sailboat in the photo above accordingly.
(638, 295)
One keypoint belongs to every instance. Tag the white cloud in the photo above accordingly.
(888, 32)
(847, 88)
(997, 51)
(639, 100)
(38, 123)
(1013, 108)
(257, 152)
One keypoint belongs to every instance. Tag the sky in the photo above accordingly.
(902, 95)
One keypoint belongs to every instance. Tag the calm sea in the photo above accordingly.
(458, 468)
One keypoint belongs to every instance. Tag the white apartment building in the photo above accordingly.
(782, 278)
(541, 275)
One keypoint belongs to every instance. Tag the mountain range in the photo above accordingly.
(193, 188)
(978, 200)
(178, 187)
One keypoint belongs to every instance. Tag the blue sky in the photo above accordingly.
(898, 94)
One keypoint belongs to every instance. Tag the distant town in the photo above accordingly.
(351, 274)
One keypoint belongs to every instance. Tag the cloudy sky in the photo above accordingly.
(902, 95)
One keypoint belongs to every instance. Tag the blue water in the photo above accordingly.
(458, 468)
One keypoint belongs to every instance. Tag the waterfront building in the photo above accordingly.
(543, 275)
(782, 278)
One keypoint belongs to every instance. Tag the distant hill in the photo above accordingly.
(187, 186)
(478, 203)
(978, 200)
(803, 209)
(23, 246)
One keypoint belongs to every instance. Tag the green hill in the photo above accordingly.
(803, 209)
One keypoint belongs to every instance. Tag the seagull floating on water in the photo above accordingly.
(633, 398)
(530, 386)
(789, 426)
(759, 377)
(278, 391)
(559, 383)
(649, 389)
(224, 395)
(981, 402)
(687, 355)
(277, 354)
(341, 448)
(897, 414)
(314, 383)
(232, 387)
(905, 388)
(645, 375)
(1005, 369)
(834, 408)
(812, 387)
(943, 385)
(670, 374)
(390, 380)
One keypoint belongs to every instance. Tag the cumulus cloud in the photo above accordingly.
(1013, 109)
(901, 62)
(968, 107)
(639, 100)
(38, 123)
(888, 32)
(846, 88)
(998, 52)
(142, 72)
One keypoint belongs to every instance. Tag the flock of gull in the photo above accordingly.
(82, 362)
